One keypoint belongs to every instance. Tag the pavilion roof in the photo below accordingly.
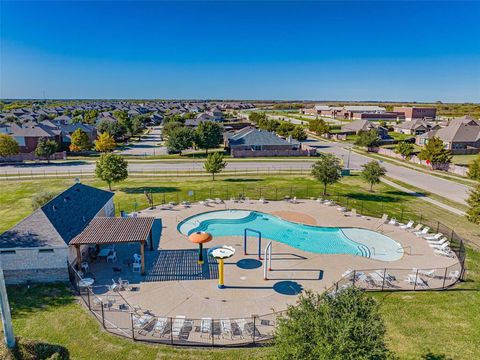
(114, 230)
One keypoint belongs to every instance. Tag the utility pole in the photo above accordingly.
(348, 161)
(5, 310)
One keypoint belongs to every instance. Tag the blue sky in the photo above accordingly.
(415, 51)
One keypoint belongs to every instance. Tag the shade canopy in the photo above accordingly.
(200, 237)
(114, 230)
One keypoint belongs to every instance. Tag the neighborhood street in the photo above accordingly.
(148, 145)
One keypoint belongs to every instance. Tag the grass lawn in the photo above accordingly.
(49, 314)
(400, 136)
(464, 160)
(442, 323)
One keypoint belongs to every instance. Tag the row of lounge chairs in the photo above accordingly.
(180, 327)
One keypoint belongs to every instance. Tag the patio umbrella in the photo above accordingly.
(200, 237)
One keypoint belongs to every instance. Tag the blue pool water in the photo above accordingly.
(315, 239)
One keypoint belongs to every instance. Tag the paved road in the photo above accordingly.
(433, 184)
(148, 145)
(446, 188)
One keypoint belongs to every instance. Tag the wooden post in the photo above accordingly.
(151, 240)
(142, 253)
(79, 257)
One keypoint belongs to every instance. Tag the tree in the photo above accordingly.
(114, 128)
(285, 128)
(180, 139)
(319, 127)
(208, 135)
(474, 169)
(434, 151)
(372, 172)
(41, 199)
(327, 170)
(347, 326)
(473, 201)
(46, 148)
(8, 146)
(105, 143)
(404, 149)
(80, 141)
(90, 116)
(170, 126)
(298, 133)
(111, 168)
(368, 138)
(214, 164)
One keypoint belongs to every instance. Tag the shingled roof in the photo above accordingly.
(60, 220)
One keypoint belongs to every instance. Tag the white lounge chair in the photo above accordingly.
(226, 327)
(443, 247)
(416, 228)
(408, 225)
(424, 231)
(160, 327)
(294, 200)
(434, 237)
(353, 212)
(177, 325)
(384, 219)
(393, 221)
(428, 273)
(218, 201)
(447, 253)
(206, 326)
(262, 201)
(439, 242)
(413, 279)
(454, 275)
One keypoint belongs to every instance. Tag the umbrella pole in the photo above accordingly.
(200, 254)
(220, 274)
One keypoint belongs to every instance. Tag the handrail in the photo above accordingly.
(267, 265)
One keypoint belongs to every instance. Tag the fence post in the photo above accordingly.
(276, 193)
(171, 330)
(416, 279)
(444, 277)
(88, 298)
(401, 215)
(383, 280)
(212, 332)
(438, 226)
(133, 329)
(354, 277)
(103, 315)
(254, 327)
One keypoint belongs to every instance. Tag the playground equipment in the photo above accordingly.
(200, 238)
(221, 253)
(259, 242)
(267, 264)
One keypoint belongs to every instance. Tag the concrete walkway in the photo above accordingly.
(425, 198)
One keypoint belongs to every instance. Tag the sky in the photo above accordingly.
(386, 51)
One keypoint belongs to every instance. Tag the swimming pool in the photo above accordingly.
(315, 239)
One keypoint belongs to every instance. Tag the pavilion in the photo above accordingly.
(116, 230)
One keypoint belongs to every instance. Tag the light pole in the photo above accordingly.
(348, 160)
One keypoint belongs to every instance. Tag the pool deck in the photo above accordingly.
(176, 285)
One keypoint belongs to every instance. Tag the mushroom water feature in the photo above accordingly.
(221, 253)
(200, 238)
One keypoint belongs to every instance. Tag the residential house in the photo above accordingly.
(459, 138)
(414, 127)
(356, 126)
(29, 134)
(251, 142)
(36, 249)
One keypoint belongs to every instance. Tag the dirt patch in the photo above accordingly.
(296, 217)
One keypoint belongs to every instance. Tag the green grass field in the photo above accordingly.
(441, 323)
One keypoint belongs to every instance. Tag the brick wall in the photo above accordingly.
(38, 275)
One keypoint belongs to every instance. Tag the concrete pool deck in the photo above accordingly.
(176, 285)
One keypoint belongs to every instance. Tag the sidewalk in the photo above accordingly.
(425, 198)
